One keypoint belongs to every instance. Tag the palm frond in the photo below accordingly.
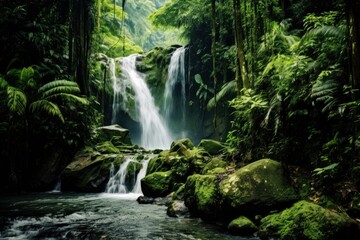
(227, 91)
(16, 100)
(61, 89)
(48, 107)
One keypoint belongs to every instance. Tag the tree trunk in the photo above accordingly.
(240, 47)
(213, 52)
(353, 9)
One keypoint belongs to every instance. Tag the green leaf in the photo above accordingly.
(26, 74)
(48, 107)
(16, 100)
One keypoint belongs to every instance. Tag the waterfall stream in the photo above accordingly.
(117, 181)
(154, 133)
(176, 80)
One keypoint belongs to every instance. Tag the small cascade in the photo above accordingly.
(154, 133)
(117, 181)
(174, 110)
(57, 187)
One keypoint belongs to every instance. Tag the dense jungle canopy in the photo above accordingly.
(272, 79)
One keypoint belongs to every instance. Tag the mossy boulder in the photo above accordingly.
(89, 171)
(159, 163)
(214, 163)
(305, 220)
(217, 171)
(185, 142)
(211, 146)
(201, 196)
(242, 226)
(132, 171)
(156, 184)
(259, 186)
(114, 133)
(106, 147)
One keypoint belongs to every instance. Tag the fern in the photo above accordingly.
(16, 100)
(48, 107)
(62, 89)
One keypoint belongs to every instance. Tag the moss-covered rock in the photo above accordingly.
(259, 186)
(217, 171)
(177, 144)
(242, 226)
(201, 196)
(89, 171)
(214, 163)
(305, 220)
(106, 147)
(132, 171)
(179, 193)
(114, 133)
(156, 184)
(211, 146)
(159, 163)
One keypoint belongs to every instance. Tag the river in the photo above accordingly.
(95, 216)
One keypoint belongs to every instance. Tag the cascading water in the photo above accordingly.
(154, 133)
(176, 78)
(117, 181)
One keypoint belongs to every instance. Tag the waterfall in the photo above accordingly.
(154, 133)
(175, 110)
(57, 187)
(117, 181)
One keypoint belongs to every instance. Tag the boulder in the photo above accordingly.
(214, 163)
(114, 133)
(257, 187)
(177, 208)
(217, 171)
(211, 146)
(156, 184)
(145, 200)
(106, 147)
(182, 143)
(89, 171)
(305, 220)
(201, 196)
(160, 163)
(242, 226)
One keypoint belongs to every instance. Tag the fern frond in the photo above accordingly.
(61, 89)
(48, 107)
(16, 100)
(3, 84)
(68, 97)
(57, 83)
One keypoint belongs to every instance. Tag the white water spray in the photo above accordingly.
(117, 181)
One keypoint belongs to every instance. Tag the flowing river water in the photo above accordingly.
(96, 216)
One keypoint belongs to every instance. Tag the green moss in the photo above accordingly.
(261, 184)
(305, 220)
(211, 146)
(216, 171)
(205, 192)
(106, 147)
(242, 226)
(214, 163)
(179, 193)
(156, 184)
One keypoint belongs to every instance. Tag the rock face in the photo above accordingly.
(305, 220)
(214, 163)
(114, 133)
(89, 171)
(177, 208)
(259, 186)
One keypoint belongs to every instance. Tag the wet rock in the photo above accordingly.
(259, 186)
(211, 146)
(305, 220)
(156, 184)
(114, 133)
(106, 147)
(89, 171)
(145, 200)
(242, 226)
(177, 208)
(215, 162)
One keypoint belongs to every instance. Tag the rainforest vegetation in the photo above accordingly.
(272, 79)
